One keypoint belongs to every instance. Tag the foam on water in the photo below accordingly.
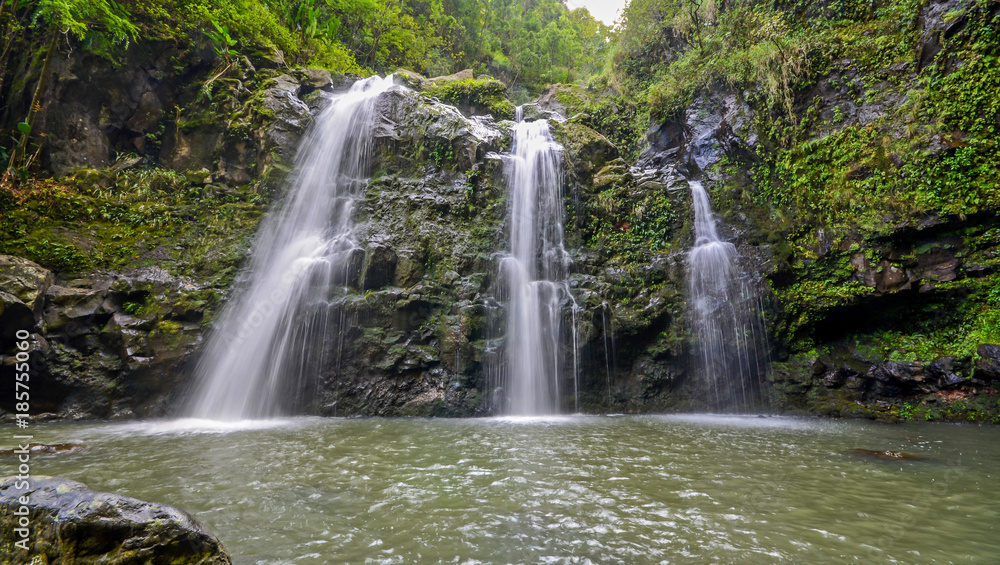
(186, 426)
(748, 421)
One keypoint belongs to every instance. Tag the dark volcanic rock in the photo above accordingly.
(586, 151)
(313, 79)
(291, 117)
(946, 370)
(73, 525)
(988, 365)
(895, 378)
(92, 109)
(379, 267)
(14, 315)
(932, 23)
(23, 285)
(715, 125)
(74, 306)
(413, 130)
(107, 346)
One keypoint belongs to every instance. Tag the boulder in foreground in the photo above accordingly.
(73, 525)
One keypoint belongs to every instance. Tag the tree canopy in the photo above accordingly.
(525, 42)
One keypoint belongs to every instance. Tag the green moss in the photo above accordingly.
(483, 95)
(131, 219)
(618, 118)
(807, 302)
(955, 325)
(62, 257)
(630, 226)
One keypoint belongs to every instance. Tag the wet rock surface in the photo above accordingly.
(988, 365)
(122, 343)
(110, 346)
(420, 294)
(73, 525)
(25, 281)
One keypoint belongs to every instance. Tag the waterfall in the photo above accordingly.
(534, 282)
(725, 313)
(266, 349)
(609, 346)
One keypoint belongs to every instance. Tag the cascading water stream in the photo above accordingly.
(725, 314)
(534, 274)
(268, 342)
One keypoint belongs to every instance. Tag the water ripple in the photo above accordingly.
(627, 490)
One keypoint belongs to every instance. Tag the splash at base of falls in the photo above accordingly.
(725, 313)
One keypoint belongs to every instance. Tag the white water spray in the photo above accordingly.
(266, 350)
(725, 313)
(534, 275)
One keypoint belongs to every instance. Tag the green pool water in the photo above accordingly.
(634, 489)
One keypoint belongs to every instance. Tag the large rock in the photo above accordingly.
(191, 148)
(932, 23)
(465, 74)
(549, 101)
(947, 371)
(314, 79)
(717, 125)
(14, 315)
(379, 267)
(25, 280)
(413, 129)
(73, 305)
(73, 525)
(988, 365)
(895, 378)
(473, 97)
(291, 117)
(23, 285)
(409, 79)
(586, 150)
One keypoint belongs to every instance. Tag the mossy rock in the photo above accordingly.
(474, 96)
(72, 524)
(587, 150)
(566, 99)
(409, 79)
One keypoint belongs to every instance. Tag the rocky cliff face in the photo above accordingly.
(119, 262)
(848, 306)
(880, 268)
(94, 353)
(141, 237)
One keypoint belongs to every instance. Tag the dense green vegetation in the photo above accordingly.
(808, 70)
(828, 170)
(524, 44)
(107, 220)
(487, 96)
(527, 43)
